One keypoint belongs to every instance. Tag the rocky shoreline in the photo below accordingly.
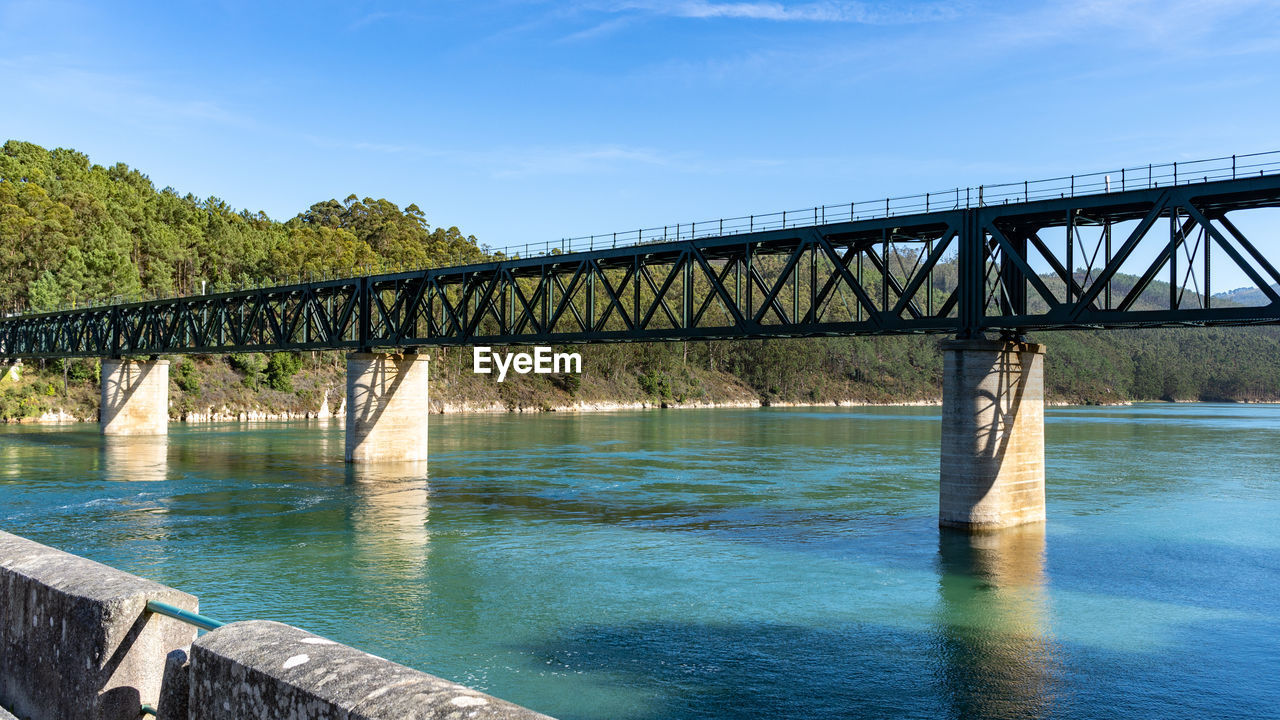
(252, 416)
(466, 408)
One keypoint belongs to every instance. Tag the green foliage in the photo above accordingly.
(569, 382)
(251, 365)
(26, 399)
(45, 293)
(655, 383)
(78, 370)
(281, 368)
(276, 371)
(74, 232)
(186, 378)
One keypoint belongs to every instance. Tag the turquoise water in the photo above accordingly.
(716, 563)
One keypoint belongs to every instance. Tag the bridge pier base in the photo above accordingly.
(387, 407)
(992, 473)
(135, 397)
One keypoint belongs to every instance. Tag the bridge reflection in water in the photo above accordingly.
(993, 624)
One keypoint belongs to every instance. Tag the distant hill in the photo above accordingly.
(1251, 296)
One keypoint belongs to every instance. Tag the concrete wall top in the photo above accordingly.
(80, 577)
(76, 640)
(262, 669)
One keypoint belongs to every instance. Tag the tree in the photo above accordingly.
(44, 294)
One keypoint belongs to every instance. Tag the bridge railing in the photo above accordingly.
(1132, 178)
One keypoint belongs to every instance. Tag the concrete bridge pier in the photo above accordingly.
(992, 473)
(387, 407)
(135, 397)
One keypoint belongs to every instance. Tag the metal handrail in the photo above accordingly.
(1227, 167)
(201, 621)
(186, 616)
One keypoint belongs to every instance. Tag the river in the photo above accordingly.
(716, 563)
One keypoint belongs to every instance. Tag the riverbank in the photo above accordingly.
(61, 418)
(1114, 368)
(225, 416)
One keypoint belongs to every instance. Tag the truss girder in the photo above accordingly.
(993, 268)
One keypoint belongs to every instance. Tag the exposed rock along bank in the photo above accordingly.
(449, 408)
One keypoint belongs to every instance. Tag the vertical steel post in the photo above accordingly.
(1071, 256)
(635, 292)
(928, 286)
(687, 310)
(591, 297)
(1014, 297)
(813, 280)
(114, 325)
(544, 281)
(1208, 243)
(885, 270)
(860, 283)
(1173, 258)
(795, 291)
(1106, 234)
(972, 260)
(364, 299)
(508, 304)
(737, 285)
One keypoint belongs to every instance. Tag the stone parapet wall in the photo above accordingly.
(263, 670)
(76, 641)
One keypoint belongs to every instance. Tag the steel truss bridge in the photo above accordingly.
(1137, 249)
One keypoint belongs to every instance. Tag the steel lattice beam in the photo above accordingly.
(959, 271)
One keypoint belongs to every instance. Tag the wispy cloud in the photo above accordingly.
(831, 11)
(534, 161)
(598, 30)
(119, 96)
(1138, 35)
(1168, 23)
(370, 19)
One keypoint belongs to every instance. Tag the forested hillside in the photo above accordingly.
(72, 232)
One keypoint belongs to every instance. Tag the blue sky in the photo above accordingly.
(521, 120)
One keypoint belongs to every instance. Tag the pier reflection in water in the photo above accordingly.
(390, 517)
(993, 623)
(135, 459)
